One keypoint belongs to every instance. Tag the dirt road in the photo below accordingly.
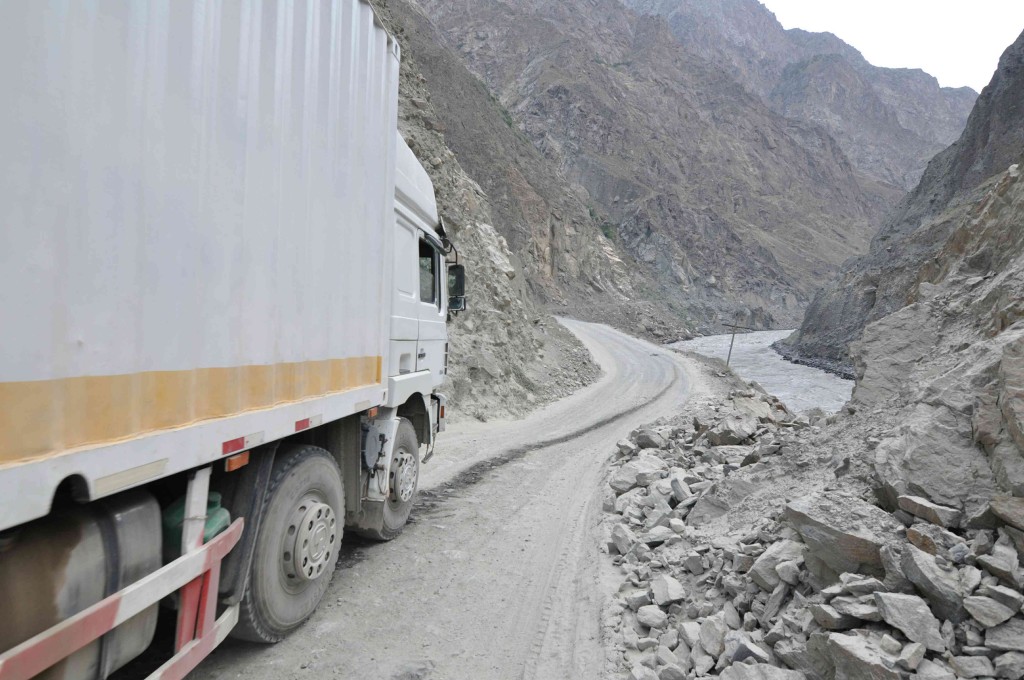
(498, 576)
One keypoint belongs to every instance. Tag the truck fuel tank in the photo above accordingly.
(57, 566)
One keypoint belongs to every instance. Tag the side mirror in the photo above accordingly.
(456, 280)
(457, 303)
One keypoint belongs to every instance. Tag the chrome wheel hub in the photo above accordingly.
(404, 473)
(310, 541)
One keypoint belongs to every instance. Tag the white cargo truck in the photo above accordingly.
(225, 294)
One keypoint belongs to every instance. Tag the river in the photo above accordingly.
(799, 387)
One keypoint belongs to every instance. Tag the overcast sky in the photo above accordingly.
(957, 41)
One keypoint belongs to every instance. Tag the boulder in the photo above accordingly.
(843, 531)
(857, 659)
(940, 586)
(911, 656)
(987, 611)
(933, 539)
(942, 515)
(1010, 665)
(863, 609)
(1010, 510)
(972, 666)
(649, 439)
(712, 634)
(732, 430)
(910, 615)
(831, 619)
(651, 616)
(1008, 637)
(763, 571)
(1008, 597)
(623, 538)
(665, 590)
(760, 671)
(671, 672)
(624, 478)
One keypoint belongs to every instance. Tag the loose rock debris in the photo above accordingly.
(826, 586)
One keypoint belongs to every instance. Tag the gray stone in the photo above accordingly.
(694, 564)
(910, 614)
(1009, 509)
(651, 616)
(671, 672)
(626, 447)
(933, 670)
(623, 538)
(747, 649)
(933, 512)
(970, 579)
(690, 632)
(830, 619)
(911, 655)
(1008, 637)
(857, 659)
(712, 634)
(843, 531)
(972, 666)
(789, 572)
(865, 610)
(1010, 665)
(864, 586)
(891, 645)
(987, 611)
(760, 671)
(701, 660)
(895, 580)
(624, 478)
(933, 539)
(639, 672)
(657, 535)
(665, 590)
(763, 572)
(649, 439)
(664, 656)
(940, 586)
(731, 616)
(1007, 597)
(732, 430)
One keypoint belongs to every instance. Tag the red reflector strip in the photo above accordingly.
(301, 425)
(232, 445)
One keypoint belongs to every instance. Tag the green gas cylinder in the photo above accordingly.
(217, 520)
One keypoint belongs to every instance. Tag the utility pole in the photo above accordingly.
(733, 338)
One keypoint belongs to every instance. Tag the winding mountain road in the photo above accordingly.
(498, 576)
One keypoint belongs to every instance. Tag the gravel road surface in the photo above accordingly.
(498, 574)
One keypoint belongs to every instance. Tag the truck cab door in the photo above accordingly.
(433, 330)
(406, 301)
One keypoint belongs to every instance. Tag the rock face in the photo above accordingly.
(890, 122)
(507, 354)
(720, 203)
(875, 285)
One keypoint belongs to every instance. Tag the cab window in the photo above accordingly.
(428, 272)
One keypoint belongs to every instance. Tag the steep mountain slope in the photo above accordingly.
(890, 122)
(873, 286)
(507, 356)
(729, 207)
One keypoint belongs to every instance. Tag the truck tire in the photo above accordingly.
(297, 545)
(403, 484)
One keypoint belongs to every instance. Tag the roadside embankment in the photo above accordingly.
(752, 544)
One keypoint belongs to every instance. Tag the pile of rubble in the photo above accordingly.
(827, 586)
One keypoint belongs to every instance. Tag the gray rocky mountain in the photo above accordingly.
(719, 205)
(902, 253)
(890, 122)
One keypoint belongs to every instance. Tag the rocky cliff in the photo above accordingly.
(507, 355)
(885, 280)
(721, 205)
(890, 122)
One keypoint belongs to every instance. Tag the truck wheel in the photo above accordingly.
(403, 483)
(297, 545)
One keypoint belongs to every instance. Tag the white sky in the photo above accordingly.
(957, 41)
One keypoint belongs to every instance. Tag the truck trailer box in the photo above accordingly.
(196, 234)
